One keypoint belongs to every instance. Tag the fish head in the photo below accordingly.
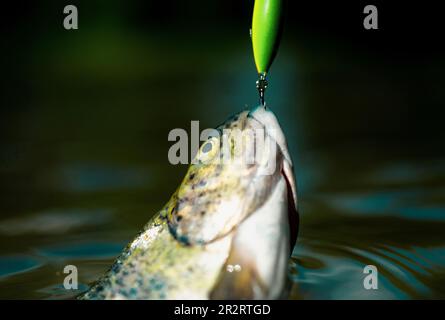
(232, 175)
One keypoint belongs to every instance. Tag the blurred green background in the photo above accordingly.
(85, 116)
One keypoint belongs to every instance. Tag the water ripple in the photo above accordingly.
(329, 271)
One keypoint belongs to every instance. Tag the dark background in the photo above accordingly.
(385, 84)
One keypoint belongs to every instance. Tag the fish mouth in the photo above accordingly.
(270, 122)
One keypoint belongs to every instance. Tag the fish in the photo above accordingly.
(229, 229)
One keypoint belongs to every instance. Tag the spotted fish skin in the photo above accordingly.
(157, 266)
(224, 212)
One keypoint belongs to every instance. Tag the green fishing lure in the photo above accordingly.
(267, 24)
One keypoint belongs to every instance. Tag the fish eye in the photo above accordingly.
(207, 147)
(209, 150)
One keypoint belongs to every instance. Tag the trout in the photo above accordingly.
(229, 229)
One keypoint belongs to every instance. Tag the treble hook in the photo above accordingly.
(261, 85)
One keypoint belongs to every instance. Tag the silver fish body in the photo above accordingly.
(228, 230)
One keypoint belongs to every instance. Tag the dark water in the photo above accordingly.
(84, 163)
(390, 216)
